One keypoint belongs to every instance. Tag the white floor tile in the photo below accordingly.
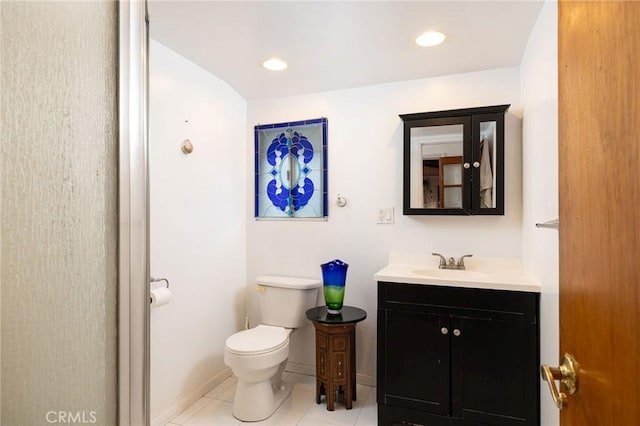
(369, 414)
(300, 408)
(363, 393)
(218, 413)
(309, 422)
(223, 387)
(298, 402)
(277, 419)
(228, 393)
(181, 418)
(340, 415)
(302, 394)
(301, 382)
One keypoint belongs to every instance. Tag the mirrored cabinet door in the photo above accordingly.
(454, 162)
(488, 166)
(436, 152)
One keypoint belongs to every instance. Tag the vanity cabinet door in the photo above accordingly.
(494, 371)
(414, 367)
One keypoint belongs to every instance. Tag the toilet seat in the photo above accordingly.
(258, 340)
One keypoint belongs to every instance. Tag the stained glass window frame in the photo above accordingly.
(300, 143)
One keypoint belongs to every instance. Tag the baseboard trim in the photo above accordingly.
(190, 399)
(310, 370)
(293, 367)
(363, 379)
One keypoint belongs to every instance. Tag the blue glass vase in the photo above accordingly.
(334, 275)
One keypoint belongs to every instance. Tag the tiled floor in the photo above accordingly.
(300, 408)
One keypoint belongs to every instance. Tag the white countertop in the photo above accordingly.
(483, 273)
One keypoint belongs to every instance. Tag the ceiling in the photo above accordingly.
(332, 45)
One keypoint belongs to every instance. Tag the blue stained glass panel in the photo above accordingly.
(291, 175)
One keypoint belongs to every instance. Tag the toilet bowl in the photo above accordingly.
(257, 356)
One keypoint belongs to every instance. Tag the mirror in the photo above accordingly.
(488, 185)
(436, 166)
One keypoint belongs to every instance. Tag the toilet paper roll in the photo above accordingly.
(160, 296)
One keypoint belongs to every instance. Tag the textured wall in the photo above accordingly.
(59, 212)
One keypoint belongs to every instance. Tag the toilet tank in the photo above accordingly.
(284, 300)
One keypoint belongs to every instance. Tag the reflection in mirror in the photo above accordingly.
(436, 166)
(487, 164)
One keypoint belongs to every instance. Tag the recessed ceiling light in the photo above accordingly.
(274, 64)
(430, 38)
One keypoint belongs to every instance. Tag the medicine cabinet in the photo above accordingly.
(454, 162)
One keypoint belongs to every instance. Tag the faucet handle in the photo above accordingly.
(443, 261)
(461, 260)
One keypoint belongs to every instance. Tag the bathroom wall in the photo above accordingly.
(365, 166)
(198, 227)
(59, 211)
(539, 88)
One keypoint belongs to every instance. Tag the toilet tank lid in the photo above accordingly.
(288, 282)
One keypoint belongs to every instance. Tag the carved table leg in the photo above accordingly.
(319, 390)
(330, 398)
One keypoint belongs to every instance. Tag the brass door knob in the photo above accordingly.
(567, 374)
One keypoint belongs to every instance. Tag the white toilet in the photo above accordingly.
(257, 356)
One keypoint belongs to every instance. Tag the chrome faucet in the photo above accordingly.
(460, 264)
(452, 264)
(443, 261)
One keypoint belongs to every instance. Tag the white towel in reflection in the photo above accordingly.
(486, 178)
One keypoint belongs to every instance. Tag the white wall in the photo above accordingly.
(365, 166)
(198, 226)
(539, 88)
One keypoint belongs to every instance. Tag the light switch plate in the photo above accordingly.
(385, 215)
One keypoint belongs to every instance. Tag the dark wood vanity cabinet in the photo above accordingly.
(454, 162)
(457, 356)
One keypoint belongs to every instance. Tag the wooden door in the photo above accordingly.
(599, 183)
(451, 177)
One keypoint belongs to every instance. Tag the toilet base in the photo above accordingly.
(258, 401)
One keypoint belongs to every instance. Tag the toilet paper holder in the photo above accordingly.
(157, 280)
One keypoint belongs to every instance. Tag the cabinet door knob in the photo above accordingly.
(444, 330)
(456, 332)
(476, 164)
(466, 165)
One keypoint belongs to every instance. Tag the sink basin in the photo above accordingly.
(453, 274)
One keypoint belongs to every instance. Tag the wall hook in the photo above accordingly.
(187, 146)
(341, 201)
